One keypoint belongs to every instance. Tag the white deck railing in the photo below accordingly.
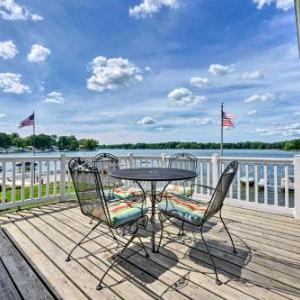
(268, 184)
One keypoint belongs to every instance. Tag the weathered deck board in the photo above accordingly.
(267, 265)
(27, 284)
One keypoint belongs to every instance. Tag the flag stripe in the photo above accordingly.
(27, 122)
(227, 120)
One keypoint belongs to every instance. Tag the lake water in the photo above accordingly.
(240, 153)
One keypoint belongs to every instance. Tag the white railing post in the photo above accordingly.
(163, 160)
(215, 168)
(130, 160)
(296, 186)
(62, 176)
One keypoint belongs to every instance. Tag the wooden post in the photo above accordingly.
(62, 176)
(215, 169)
(296, 186)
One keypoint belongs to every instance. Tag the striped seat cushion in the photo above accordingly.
(179, 190)
(183, 208)
(122, 212)
(126, 193)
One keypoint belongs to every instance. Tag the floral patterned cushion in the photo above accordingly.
(184, 208)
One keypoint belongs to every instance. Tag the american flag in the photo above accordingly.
(27, 122)
(227, 120)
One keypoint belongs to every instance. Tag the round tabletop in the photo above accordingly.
(153, 174)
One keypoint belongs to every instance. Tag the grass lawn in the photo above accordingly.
(35, 191)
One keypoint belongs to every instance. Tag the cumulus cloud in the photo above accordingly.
(147, 8)
(255, 75)
(220, 70)
(38, 53)
(280, 4)
(8, 49)
(260, 97)
(288, 130)
(112, 73)
(252, 112)
(199, 81)
(2, 115)
(11, 11)
(54, 97)
(11, 83)
(146, 121)
(183, 96)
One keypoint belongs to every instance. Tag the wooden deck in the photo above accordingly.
(267, 265)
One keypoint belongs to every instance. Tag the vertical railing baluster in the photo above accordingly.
(208, 176)
(275, 186)
(47, 179)
(201, 177)
(31, 179)
(238, 182)
(286, 191)
(13, 189)
(247, 181)
(3, 182)
(55, 178)
(40, 186)
(23, 180)
(255, 183)
(265, 183)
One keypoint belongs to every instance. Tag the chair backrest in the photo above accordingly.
(221, 190)
(183, 161)
(106, 163)
(88, 188)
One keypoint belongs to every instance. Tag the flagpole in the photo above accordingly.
(221, 145)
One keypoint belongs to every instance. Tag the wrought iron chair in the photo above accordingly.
(182, 161)
(119, 214)
(196, 212)
(114, 188)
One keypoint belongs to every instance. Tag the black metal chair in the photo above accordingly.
(116, 214)
(114, 188)
(196, 212)
(182, 161)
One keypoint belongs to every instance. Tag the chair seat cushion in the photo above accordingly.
(179, 190)
(126, 193)
(184, 209)
(121, 212)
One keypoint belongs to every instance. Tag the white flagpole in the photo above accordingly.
(221, 145)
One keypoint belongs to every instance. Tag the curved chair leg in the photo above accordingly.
(81, 241)
(161, 231)
(144, 247)
(218, 281)
(233, 247)
(181, 230)
(99, 286)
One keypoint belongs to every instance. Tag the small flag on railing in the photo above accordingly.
(27, 122)
(227, 120)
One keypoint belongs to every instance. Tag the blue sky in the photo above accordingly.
(150, 70)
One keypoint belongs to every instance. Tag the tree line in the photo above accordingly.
(283, 145)
(44, 142)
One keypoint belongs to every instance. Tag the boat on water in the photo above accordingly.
(261, 183)
(289, 184)
(244, 180)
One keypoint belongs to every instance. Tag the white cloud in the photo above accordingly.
(255, 75)
(38, 53)
(199, 81)
(54, 97)
(287, 131)
(11, 83)
(11, 11)
(183, 96)
(220, 70)
(149, 7)
(146, 121)
(201, 121)
(112, 73)
(252, 112)
(8, 49)
(2, 115)
(260, 97)
(280, 4)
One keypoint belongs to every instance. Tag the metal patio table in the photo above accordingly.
(153, 175)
